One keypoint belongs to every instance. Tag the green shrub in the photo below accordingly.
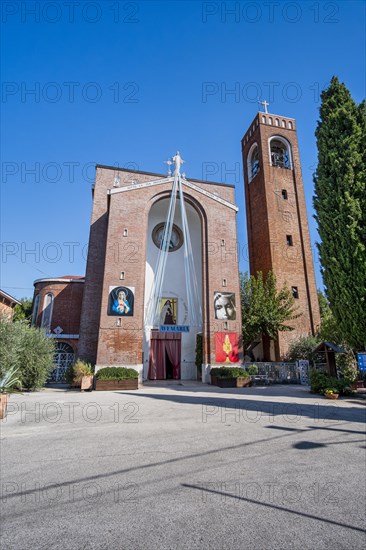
(252, 370)
(28, 350)
(349, 373)
(229, 372)
(343, 386)
(199, 355)
(320, 381)
(116, 373)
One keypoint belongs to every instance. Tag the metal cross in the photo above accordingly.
(265, 105)
(169, 163)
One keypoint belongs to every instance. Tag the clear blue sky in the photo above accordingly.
(125, 83)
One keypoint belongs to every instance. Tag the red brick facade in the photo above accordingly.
(116, 213)
(67, 295)
(273, 219)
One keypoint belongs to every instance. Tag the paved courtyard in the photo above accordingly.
(183, 466)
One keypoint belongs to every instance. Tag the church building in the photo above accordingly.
(161, 286)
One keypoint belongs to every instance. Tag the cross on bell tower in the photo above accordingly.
(265, 105)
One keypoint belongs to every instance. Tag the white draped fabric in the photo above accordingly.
(194, 305)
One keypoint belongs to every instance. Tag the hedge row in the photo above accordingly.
(116, 373)
(229, 372)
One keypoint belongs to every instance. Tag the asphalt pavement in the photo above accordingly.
(183, 466)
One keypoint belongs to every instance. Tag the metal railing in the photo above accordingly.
(275, 372)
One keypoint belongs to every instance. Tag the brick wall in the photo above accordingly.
(66, 311)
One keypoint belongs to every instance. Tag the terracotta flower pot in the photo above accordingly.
(331, 395)
(4, 398)
(87, 383)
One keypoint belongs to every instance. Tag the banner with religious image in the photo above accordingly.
(227, 347)
(168, 311)
(225, 306)
(121, 301)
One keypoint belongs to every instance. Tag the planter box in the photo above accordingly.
(4, 398)
(109, 385)
(87, 383)
(230, 382)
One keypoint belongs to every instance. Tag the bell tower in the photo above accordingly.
(277, 224)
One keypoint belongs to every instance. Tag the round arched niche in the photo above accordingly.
(174, 285)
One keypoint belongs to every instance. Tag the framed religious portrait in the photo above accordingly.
(168, 311)
(121, 301)
(225, 306)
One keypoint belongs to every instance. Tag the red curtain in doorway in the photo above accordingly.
(157, 370)
(173, 350)
(160, 344)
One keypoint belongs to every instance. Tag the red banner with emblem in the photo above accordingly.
(227, 347)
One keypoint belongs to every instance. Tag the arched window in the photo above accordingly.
(277, 122)
(270, 120)
(284, 124)
(290, 125)
(47, 312)
(253, 162)
(280, 153)
(35, 310)
(263, 119)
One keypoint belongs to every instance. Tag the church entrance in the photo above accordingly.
(165, 355)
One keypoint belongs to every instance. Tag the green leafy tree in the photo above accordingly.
(340, 206)
(265, 309)
(303, 348)
(23, 311)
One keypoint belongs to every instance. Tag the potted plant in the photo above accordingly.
(116, 378)
(331, 393)
(80, 375)
(229, 377)
(252, 370)
(9, 383)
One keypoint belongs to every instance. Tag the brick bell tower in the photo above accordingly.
(278, 232)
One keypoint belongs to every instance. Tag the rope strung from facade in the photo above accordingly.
(194, 306)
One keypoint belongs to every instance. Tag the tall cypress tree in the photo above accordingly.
(340, 206)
